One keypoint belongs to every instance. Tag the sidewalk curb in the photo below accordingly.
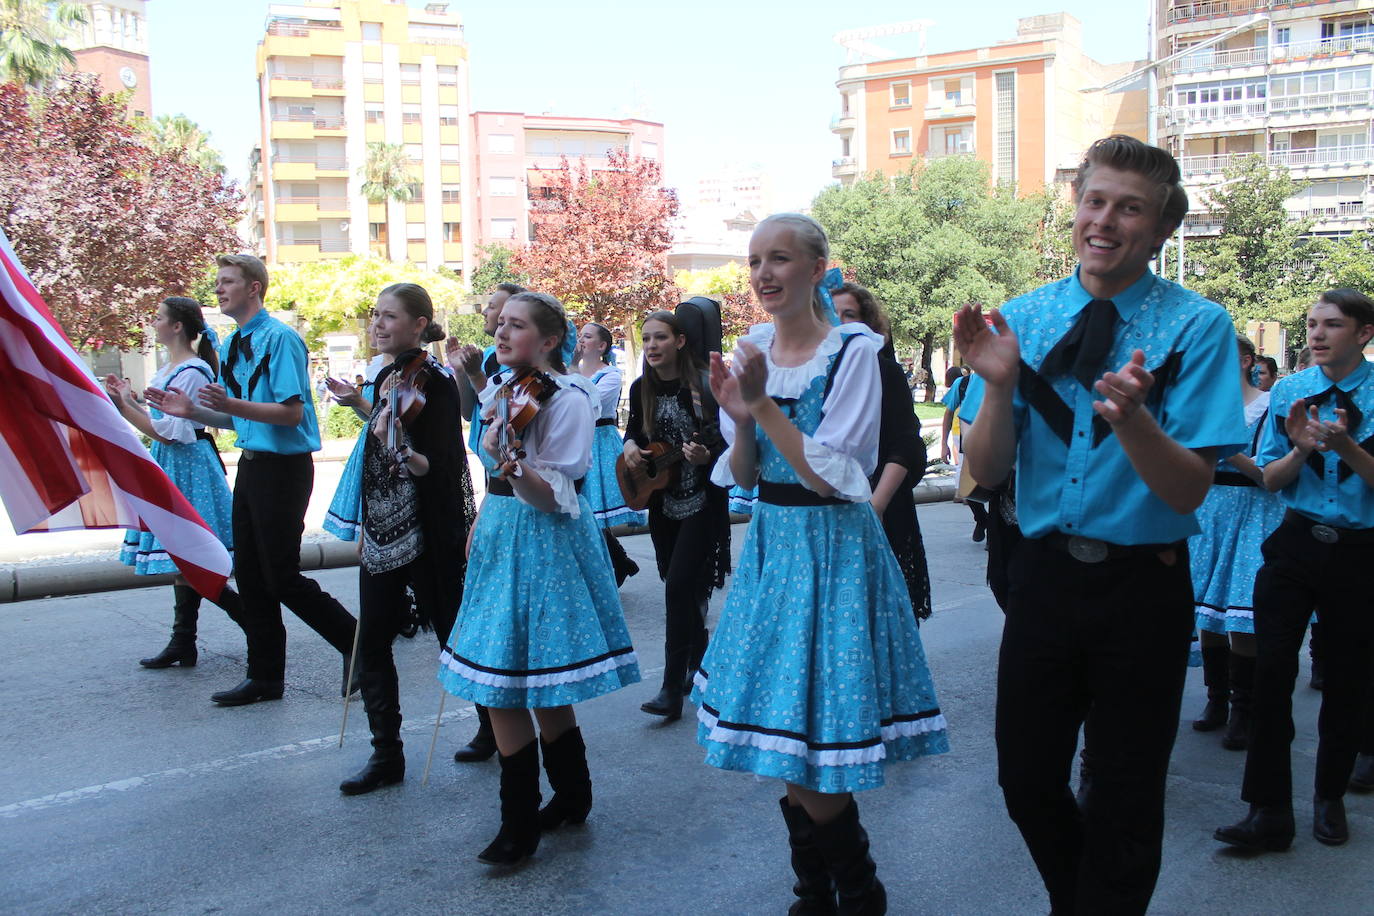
(25, 583)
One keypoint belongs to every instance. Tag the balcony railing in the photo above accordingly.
(1345, 210)
(1323, 157)
(334, 163)
(324, 203)
(318, 82)
(321, 122)
(1259, 108)
(843, 164)
(299, 30)
(1214, 9)
(334, 245)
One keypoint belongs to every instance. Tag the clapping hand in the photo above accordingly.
(343, 392)
(214, 397)
(119, 390)
(171, 401)
(1304, 429)
(994, 356)
(1124, 390)
(463, 357)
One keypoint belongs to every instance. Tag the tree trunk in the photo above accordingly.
(927, 349)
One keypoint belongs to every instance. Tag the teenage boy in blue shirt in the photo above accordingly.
(1109, 468)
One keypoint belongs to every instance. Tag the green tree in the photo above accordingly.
(932, 239)
(31, 36)
(1057, 255)
(386, 175)
(1348, 261)
(495, 268)
(178, 132)
(1260, 266)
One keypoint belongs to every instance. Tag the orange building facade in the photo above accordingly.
(1019, 106)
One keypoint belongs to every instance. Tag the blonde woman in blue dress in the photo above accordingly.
(186, 451)
(816, 674)
(540, 627)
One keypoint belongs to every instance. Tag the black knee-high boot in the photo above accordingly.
(482, 745)
(182, 648)
(1237, 737)
(621, 563)
(844, 846)
(815, 889)
(519, 835)
(387, 765)
(1216, 674)
(565, 762)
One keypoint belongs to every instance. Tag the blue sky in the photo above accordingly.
(731, 81)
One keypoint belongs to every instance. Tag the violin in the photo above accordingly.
(405, 396)
(518, 402)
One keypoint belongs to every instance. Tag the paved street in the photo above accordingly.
(126, 791)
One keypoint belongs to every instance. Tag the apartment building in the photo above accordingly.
(513, 153)
(113, 44)
(1289, 80)
(1019, 105)
(334, 77)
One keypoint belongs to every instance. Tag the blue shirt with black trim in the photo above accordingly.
(1326, 488)
(266, 362)
(475, 428)
(1072, 476)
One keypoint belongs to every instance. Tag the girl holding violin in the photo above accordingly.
(541, 626)
(689, 521)
(417, 509)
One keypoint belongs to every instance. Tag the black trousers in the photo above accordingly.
(270, 497)
(1103, 647)
(1300, 573)
(382, 612)
(683, 549)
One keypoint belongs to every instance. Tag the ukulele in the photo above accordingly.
(659, 468)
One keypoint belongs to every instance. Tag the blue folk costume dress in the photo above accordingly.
(602, 490)
(192, 463)
(541, 623)
(816, 674)
(344, 517)
(1235, 518)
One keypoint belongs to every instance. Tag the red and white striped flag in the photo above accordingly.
(67, 457)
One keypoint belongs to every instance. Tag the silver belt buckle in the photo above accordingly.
(1087, 550)
(1326, 534)
(248, 454)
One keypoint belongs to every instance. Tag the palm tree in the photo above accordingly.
(169, 132)
(386, 179)
(31, 32)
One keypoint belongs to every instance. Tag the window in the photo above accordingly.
(451, 194)
(448, 76)
(1283, 35)
(372, 32)
(1004, 127)
(501, 187)
(951, 141)
(950, 93)
(410, 73)
(500, 143)
(844, 104)
(901, 142)
(503, 228)
(1328, 30)
(901, 94)
(449, 152)
(376, 232)
(448, 115)
(415, 232)
(844, 147)
(1356, 29)
(410, 113)
(414, 152)
(453, 233)
(648, 150)
(372, 72)
(417, 192)
(373, 112)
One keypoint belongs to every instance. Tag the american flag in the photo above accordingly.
(67, 457)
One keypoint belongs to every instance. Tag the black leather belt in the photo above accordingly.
(1232, 479)
(794, 494)
(1091, 550)
(500, 486)
(606, 421)
(1328, 534)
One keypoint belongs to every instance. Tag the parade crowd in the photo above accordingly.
(1144, 480)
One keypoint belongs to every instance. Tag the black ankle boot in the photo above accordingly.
(667, 703)
(382, 702)
(565, 762)
(482, 745)
(843, 844)
(815, 889)
(519, 835)
(1216, 675)
(1237, 737)
(1267, 828)
(182, 649)
(250, 690)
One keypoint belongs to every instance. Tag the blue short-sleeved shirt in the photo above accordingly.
(1072, 475)
(1326, 488)
(955, 395)
(266, 362)
(489, 368)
